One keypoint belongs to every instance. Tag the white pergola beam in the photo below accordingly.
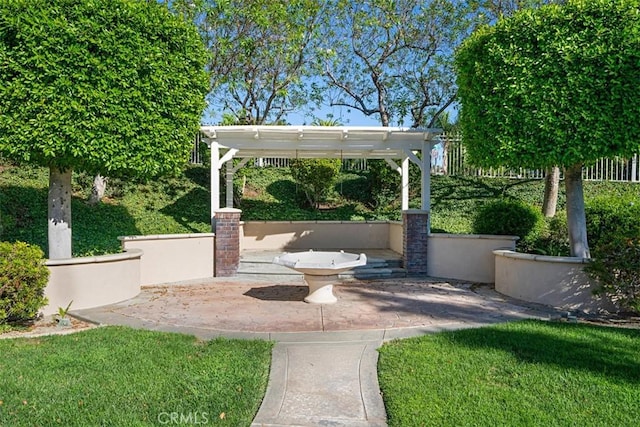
(227, 156)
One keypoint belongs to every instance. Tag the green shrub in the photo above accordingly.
(384, 184)
(511, 217)
(617, 270)
(23, 277)
(316, 177)
(610, 218)
(555, 240)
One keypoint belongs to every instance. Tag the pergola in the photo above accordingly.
(393, 144)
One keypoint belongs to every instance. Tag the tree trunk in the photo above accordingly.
(59, 229)
(551, 184)
(98, 189)
(576, 218)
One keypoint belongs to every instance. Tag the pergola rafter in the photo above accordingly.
(344, 142)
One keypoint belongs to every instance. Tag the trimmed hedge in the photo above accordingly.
(511, 217)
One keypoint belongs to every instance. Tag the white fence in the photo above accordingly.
(615, 169)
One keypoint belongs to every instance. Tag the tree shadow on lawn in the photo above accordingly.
(95, 228)
(595, 350)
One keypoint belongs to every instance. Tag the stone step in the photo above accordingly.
(371, 263)
(376, 270)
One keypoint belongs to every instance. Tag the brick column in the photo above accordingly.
(227, 246)
(415, 227)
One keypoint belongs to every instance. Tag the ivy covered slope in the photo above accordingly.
(114, 87)
(554, 86)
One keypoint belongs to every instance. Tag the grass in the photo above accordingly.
(528, 373)
(181, 204)
(124, 377)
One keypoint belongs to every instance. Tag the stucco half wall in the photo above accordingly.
(92, 281)
(173, 257)
(555, 281)
(465, 256)
(265, 235)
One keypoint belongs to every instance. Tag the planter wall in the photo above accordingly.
(465, 256)
(92, 281)
(287, 235)
(556, 281)
(173, 257)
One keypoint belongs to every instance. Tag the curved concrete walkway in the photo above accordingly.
(324, 366)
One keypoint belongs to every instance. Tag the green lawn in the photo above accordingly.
(527, 373)
(115, 376)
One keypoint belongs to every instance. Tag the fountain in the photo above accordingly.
(321, 270)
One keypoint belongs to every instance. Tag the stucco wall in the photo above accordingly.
(555, 281)
(92, 281)
(314, 235)
(395, 236)
(465, 256)
(173, 257)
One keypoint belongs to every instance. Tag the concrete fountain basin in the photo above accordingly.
(321, 270)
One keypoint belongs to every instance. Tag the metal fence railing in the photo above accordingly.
(614, 169)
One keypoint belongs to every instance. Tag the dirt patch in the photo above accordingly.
(620, 320)
(48, 326)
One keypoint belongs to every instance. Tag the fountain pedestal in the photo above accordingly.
(321, 270)
(320, 289)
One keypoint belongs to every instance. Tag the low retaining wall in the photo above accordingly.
(173, 257)
(92, 281)
(264, 235)
(556, 281)
(465, 256)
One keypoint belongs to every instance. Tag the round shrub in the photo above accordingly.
(510, 217)
(23, 277)
(316, 177)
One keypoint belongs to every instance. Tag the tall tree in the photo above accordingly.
(261, 52)
(112, 87)
(494, 10)
(556, 85)
(392, 59)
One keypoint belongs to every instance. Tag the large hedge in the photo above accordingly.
(109, 86)
(114, 87)
(553, 86)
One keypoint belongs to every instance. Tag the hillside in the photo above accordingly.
(181, 204)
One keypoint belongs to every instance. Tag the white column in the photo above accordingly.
(405, 183)
(229, 179)
(215, 182)
(425, 193)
